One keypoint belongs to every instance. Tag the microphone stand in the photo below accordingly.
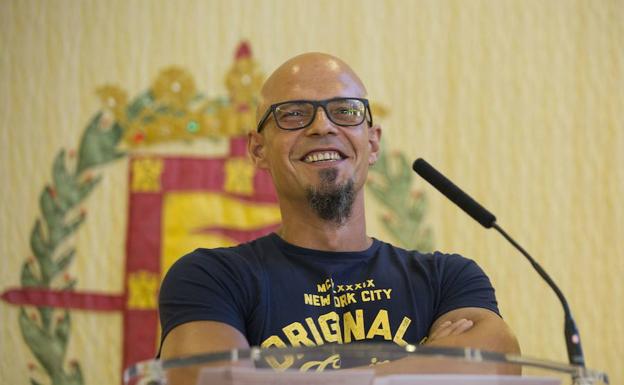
(487, 220)
(572, 336)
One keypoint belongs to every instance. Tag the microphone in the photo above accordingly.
(488, 220)
(454, 193)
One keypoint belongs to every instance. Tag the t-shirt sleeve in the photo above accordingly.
(206, 285)
(462, 283)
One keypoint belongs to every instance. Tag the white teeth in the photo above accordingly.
(322, 156)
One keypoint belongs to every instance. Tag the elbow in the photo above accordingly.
(511, 344)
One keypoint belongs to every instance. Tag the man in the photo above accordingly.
(320, 279)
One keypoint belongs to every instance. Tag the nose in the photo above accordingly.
(321, 125)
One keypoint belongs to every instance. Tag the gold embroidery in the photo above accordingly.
(142, 290)
(239, 174)
(146, 174)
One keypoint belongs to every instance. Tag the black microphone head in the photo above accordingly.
(454, 193)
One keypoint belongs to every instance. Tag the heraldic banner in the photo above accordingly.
(176, 203)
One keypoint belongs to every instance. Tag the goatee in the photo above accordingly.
(332, 202)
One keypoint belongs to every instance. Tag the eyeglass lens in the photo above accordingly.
(345, 112)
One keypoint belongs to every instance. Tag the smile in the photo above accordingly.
(324, 156)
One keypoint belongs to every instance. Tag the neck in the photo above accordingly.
(302, 227)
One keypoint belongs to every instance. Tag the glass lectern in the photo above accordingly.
(376, 364)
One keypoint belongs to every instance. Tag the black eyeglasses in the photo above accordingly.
(298, 114)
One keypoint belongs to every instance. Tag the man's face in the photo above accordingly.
(322, 157)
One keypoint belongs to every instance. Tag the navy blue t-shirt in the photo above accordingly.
(278, 294)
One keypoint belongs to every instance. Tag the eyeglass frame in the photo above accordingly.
(316, 104)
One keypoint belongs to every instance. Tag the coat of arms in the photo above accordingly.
(175, 204)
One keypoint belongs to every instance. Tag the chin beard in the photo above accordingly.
(330, 201)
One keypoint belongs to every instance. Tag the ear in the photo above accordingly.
(256, 149)
(374, 143)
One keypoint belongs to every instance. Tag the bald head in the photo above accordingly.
(311, 76)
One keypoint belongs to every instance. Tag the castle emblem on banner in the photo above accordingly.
(176, 203)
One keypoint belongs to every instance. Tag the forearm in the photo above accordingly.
(490, 334)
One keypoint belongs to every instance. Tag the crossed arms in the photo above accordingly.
(465, 327)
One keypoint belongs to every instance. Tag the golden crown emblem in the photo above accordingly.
(172, 109)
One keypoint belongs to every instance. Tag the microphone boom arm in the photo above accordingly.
(488, 220)
(572, 336)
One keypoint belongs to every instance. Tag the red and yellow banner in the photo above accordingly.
(178, 204)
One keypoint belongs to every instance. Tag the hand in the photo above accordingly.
(450, 328)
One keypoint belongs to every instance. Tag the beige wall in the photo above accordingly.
(520, 102)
